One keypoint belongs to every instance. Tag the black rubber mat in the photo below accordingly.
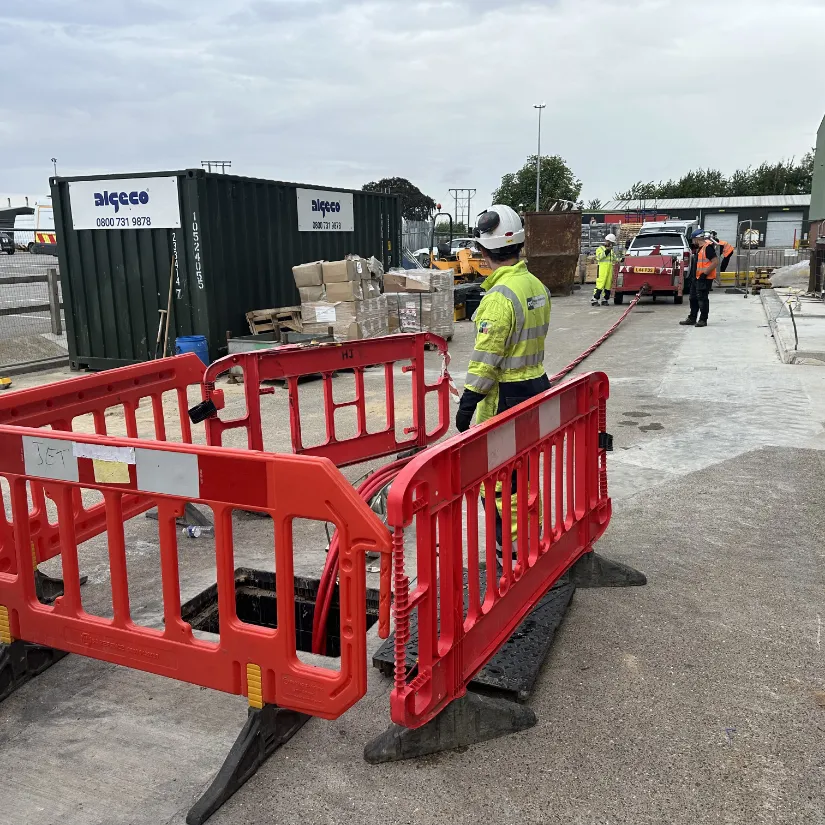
(513, 671)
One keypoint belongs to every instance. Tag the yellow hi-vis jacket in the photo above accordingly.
(606, 260)
(511, 324)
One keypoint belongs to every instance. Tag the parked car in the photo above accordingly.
(669, 241)
(6, 243)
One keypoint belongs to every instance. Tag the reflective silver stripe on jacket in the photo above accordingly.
(482, 357)
(517, 361)
(479, 384)
(533, 332)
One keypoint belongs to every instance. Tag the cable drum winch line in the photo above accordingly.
(595, 345)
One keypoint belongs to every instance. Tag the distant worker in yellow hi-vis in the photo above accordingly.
(606, 259)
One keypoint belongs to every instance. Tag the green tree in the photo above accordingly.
(595, 204)
(518, 189)
(415, 205)
(442, 228)
(782, 178)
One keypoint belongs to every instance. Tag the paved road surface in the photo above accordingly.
(697, 699)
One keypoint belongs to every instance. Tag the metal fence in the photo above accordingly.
(32, 319)
(415, 235)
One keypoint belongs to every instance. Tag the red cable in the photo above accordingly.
(329, 576)
(593, 347)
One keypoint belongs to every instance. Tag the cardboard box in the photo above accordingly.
(350, 320)
(311, 293)
(308, 274)
(395, 282)
(346, 291)
(352, 269)
(370, 288)
(421, 312)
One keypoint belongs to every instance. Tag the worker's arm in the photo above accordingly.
(601, 255)
(494, 322)
(710, 254)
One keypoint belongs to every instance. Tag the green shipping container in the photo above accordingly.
(234, 239)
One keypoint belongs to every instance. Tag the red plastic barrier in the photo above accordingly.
(289, 363)
(551, 445)
(56, 406)
(251, 660)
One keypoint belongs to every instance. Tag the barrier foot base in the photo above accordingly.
(593, 570)
(21, 661)
(264, 732)
(472, 718)
(49, 588)
(192, 517)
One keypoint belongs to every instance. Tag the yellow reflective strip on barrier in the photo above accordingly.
(254, 689)
(5, 627)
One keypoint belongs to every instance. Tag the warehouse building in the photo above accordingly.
(781, 220)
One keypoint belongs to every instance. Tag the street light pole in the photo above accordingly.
(54, 161)
(538, 106)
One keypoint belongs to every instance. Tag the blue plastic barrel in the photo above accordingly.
(193, 343)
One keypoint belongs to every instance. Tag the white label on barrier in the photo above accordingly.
(501, 444)
(102, 452)
(49, 458)
(322, 211)
(160, 471)
(125, 203)
(549, 416)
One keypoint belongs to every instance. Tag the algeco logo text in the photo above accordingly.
(325, 206)
(118, 199)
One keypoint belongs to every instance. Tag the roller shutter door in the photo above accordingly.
(781, 229)
(723, 225)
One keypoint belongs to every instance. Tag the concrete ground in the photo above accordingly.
(699, 698)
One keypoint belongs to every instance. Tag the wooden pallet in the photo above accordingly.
(274, 320)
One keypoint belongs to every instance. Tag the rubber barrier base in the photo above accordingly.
(466, 721)
(21, 661)
(512, 672)
(593, 570)
(264, 732)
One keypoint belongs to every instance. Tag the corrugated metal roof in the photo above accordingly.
(753, 201)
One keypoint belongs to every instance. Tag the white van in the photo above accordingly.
(41, 222)
(24, 231)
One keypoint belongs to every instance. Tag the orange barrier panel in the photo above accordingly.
(258, 662)
(56, 406)
(289, 363)
(548, 455)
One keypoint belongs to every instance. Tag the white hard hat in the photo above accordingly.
(611, 237)
(499, 226)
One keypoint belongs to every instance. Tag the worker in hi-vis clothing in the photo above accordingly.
(511, 322)
(606, 260)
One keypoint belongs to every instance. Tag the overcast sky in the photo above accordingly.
(340, 92)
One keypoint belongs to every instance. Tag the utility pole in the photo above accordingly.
(466, 196)
(220, 165)
(539, 106)
(54, 163)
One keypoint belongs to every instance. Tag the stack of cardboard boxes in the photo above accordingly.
(343, 295)
(420, 300)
